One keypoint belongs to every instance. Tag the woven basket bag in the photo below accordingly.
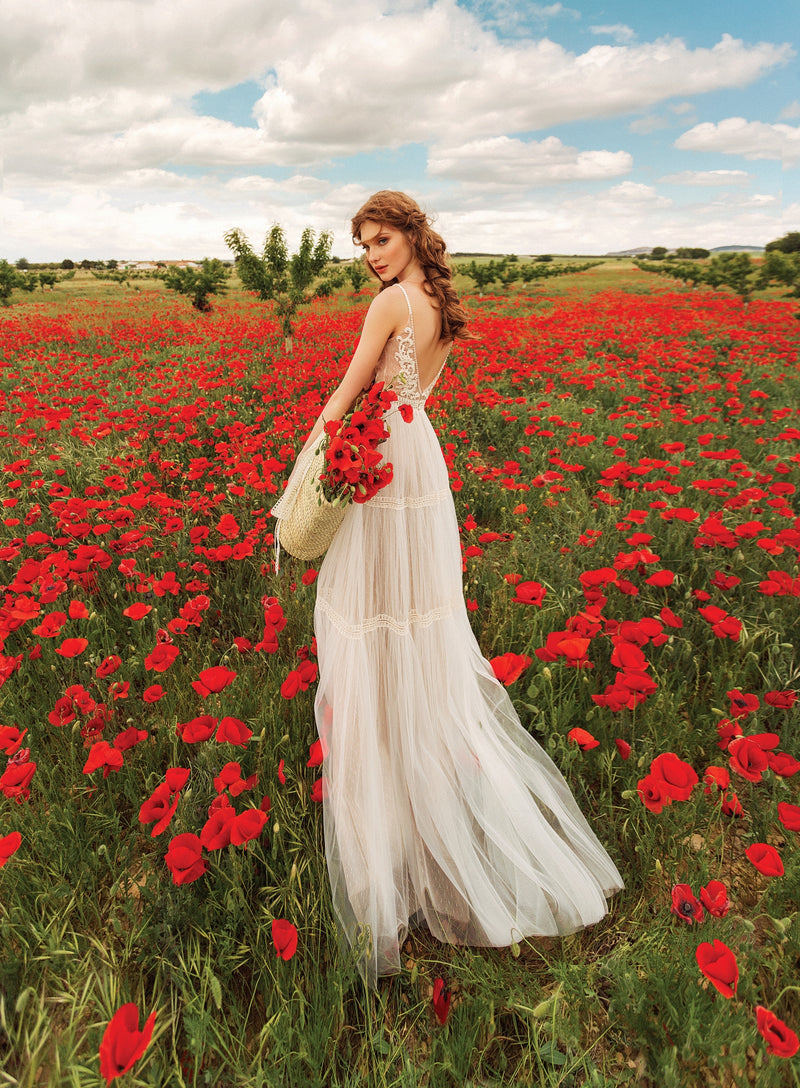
(308, 529)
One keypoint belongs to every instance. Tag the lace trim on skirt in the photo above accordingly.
(375, 623)
(409, 502)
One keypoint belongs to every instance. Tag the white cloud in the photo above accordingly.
(105, 155)
(790, 112)
(618, 31)
(500, 161)
(751, 139)
(714, 178)
(652, 122)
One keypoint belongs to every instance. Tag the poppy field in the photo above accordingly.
(625, 464)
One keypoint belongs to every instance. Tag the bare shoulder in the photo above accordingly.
(389, 307)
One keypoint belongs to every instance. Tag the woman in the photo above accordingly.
(439, 808)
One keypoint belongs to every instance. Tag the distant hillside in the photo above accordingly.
(637, 251)
(640, 251)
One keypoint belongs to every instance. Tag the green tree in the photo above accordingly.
(731, 270)
(484, 273)
(357, 274)
(289, 282)
(23, 264)
(658, 253)
(67, 264)
(48, 279)
(198, 283)
(782, 268)
(789, 243)
(8, 281)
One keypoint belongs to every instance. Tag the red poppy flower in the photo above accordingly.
(714, 897)
(765, 858)
(742, 703)
(748, 758)
(161, 657)
(137, 611)
(529, 593)
(216, 832)
(102, 754)
(784, 700)
(281, 774)
(153, 693)
(718, 964)
(319, 790)
(78, 610)
(653, 793)
(11, 738)
(108, 666)
(123, 1044)
(780, 1039)
(407, 412)
(781, 763)
(9, 844)
(623, 748)
(233, 731)
(72, 647)
(284, 937)
(184, 859)
(198, 729)
(247, 825)
(129, 738)
(685, 905)
(679, 777)
(583, 738)
(213, 680)
(509, 667)
(316, 754)
(441, 1000)
(16, 778)
(789, 815)
(159, 807)
(716, 777)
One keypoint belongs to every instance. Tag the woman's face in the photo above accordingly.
(388, 251)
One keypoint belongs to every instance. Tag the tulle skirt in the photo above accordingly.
(438, 806)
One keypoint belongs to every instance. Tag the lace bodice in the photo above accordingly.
(398, 368)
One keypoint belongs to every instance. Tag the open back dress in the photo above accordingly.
(439, 808)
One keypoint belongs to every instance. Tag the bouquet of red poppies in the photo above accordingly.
(354, 468)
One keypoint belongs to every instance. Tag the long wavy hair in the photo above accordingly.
(393, 209)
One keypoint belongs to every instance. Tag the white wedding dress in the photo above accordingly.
(439, 806)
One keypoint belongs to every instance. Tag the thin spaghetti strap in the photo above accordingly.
(408, 303)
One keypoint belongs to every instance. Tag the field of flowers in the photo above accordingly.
(625, 466)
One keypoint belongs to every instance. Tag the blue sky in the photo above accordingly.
(146, 128)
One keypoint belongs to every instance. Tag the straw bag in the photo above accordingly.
(310, 525)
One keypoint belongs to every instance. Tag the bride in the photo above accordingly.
(439, 807)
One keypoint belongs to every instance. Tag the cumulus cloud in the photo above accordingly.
(501, 161)
(618, 31)
(751, 139)
(714, 178)
(102, 142)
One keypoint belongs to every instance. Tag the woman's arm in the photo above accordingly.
(386, 313)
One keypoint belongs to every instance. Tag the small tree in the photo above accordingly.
(289, 282)
(782, 268)
(789, 243)
(8, 281)
(658, 253)
(357, 274)
(198, 283)
(483, 274)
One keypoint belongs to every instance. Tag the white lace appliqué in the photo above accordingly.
(374, 623)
